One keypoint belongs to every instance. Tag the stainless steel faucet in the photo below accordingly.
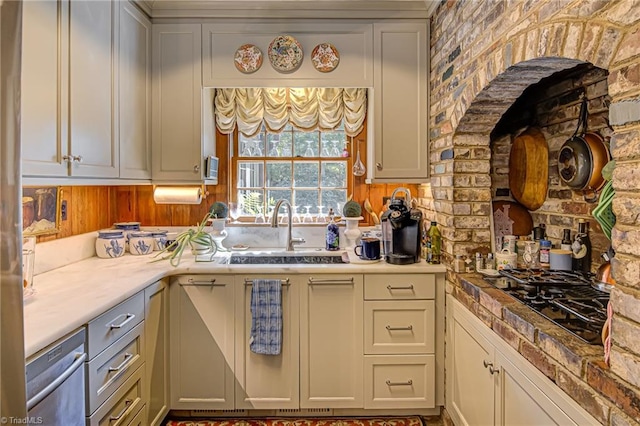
(274, 223)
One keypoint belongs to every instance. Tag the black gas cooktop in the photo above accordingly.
(564, 297)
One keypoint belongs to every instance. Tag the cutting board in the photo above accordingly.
(511, 218)
(529, 168)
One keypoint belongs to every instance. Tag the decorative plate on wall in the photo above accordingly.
(285, 53)
(325, 57)
(248, 58)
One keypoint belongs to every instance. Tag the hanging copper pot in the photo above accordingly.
(582, 157)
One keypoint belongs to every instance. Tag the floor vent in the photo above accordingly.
(205, 413)
(305, 412)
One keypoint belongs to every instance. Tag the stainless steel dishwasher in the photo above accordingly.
(56, 385)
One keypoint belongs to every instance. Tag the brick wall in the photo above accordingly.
(483, 55)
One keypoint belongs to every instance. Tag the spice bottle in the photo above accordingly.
(479, 261)
(566, 239)
(332, 237)
(490, 262)
(435, 244)
(545, 248)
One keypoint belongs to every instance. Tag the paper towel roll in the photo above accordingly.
(177, 195)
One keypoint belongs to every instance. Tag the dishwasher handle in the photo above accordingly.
(80, 358)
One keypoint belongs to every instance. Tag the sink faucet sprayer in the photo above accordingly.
(274, 223)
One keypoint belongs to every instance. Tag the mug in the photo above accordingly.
(369, 248)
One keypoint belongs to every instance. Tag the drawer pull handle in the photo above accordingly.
(407, 328)
(128, 404)
(407, 383)
(127, 357)
(128, 318)
(408, 287)
(210, 283)
(346, 281)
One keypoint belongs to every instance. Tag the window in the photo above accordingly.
(307, 168)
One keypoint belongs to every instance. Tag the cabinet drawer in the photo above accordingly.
(399, 286)
(125, 403)
(110, 369)
(140, 418)
(406, 327)
(399, 381)
(114, 324)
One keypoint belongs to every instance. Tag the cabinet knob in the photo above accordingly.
(68, 158)
(196, 169)
(486, 363)
(77, 158)
(379, 166)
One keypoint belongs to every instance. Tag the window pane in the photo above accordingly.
(306, 144)
(333, 143)
(251, 201)
(305, 174)
(279, 144)
(251, 147)
(304, 198)
(250, 174)
(274, 195)
(334, 174)
(279, 174)
(331, 198)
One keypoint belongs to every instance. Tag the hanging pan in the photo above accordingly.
(582, 157)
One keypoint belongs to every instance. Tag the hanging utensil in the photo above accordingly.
(358, 166)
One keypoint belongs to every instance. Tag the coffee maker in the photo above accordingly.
(401, 227)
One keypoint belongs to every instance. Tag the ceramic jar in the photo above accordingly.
(159, 239)
(110, 243)
(127, 228)
(141, 243)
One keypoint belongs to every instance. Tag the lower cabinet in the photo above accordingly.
(267, 381)
(156, 330)
(331, 341)
(202, 330)
(489, 383)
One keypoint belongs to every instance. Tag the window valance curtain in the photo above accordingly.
(306, 109)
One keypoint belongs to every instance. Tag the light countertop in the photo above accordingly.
(70, 296)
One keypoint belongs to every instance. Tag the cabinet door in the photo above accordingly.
(202, 340)
(520, 402)
(92, 76)
(177, 94)
(44, 88)
(268, 381)
(400, 54)
(331, 342)
(470, 385)
(134, 93)
(156, 328)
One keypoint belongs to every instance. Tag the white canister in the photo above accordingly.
(141, 243)
(110, 243)
(509, 243)
(159, 239)
(506, 260)
(560, 259)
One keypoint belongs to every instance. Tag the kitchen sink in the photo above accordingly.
(287, 258)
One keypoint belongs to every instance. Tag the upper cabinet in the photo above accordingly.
(81, 99)
(400, 101)
(134, 93)
(179, 103)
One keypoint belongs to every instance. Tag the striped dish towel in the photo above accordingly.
(266, 317)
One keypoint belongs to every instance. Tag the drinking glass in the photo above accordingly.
(235, 211)
(309, 151)
(260, 216)
(307, 216)
(321, 218)
(335, 152)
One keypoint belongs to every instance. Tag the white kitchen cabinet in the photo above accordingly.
(181, 114)
(202, 342)
(156, 330)
(331, 341)
(489, 383)
(134, 92)
(400, 102)
(268, 381)
(92, 82)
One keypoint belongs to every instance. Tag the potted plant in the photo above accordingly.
(198, 240)
(352, 213)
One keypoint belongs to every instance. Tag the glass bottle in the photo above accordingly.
(566, 239)
(435, 238)
(332, 237)
(581, 248)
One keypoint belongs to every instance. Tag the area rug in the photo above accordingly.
(319, 421)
